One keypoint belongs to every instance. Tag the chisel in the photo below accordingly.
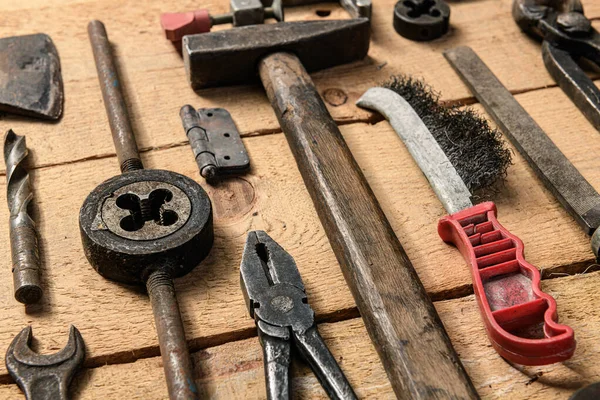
(557, 173)
(459, 153)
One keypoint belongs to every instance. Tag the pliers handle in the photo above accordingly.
(567, 35)
(276, 299)
(312, 348)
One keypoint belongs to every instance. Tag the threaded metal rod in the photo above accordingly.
(114, 102)
(23, 234)
(171, 337)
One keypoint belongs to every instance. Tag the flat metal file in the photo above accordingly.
(557, 173)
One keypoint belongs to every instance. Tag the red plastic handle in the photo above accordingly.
(520, 319)
(177, 25)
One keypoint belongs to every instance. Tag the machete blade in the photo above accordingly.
(30, 79)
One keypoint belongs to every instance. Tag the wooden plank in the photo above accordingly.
(156, 87)
(272, 197)
(235, 371)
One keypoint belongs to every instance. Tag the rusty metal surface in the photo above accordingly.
(566, 34)
(173, 346)
(130, 257)
(573, 81)
(30, 77)
(44, 377)
(421, 20)
(276, 299)
(145, 227)
(231, 56)
(356, 8)
(145, 210)
(23, 232)
(215, 140)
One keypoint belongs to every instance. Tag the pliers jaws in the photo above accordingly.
(276, 299)
(567, 35)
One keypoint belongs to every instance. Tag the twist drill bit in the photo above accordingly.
(23, 234)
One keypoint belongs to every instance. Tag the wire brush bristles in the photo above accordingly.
(475, 149)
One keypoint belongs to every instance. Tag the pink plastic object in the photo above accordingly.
(521, 320)
(177, 25)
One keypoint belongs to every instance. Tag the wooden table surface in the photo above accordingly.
(71, 157)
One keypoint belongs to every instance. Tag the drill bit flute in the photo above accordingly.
(23, 234)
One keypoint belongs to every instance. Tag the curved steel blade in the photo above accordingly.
(425, 150)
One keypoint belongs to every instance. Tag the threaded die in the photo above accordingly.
(159, 279)
(132, 164)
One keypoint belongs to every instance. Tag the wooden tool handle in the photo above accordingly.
(400, 318)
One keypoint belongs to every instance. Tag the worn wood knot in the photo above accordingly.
(232, 198)
(335, 97)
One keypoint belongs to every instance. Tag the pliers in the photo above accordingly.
(276, 299)
(567, 35)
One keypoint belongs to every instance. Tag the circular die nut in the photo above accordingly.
(421, 20)
(146, 220)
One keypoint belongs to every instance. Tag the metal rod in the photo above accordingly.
(171, 336)
(116, 109)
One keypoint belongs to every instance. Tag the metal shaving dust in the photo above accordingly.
(475, 149)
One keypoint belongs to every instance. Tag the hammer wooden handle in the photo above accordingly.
(400, 318)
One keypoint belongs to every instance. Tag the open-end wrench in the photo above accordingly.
(41, 376)
(567, 35)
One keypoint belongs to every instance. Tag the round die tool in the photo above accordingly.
(145, 226)
(141, 221)
(421, 20)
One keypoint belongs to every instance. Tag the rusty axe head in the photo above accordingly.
(30, 79)
(231, 56)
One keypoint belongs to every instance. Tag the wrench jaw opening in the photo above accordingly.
(44, 376)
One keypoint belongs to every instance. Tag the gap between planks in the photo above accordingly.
(194, 345)
(219, 340)
(373, 119)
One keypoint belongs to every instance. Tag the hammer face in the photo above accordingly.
(231, 56)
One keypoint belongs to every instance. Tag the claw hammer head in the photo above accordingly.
(44, 376)
(231, 56)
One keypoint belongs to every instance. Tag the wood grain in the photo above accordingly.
(273, 198)
(235, 370)
(155, 85)
(74, 155)
(400, 318)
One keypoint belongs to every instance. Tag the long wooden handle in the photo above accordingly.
(400, 318)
